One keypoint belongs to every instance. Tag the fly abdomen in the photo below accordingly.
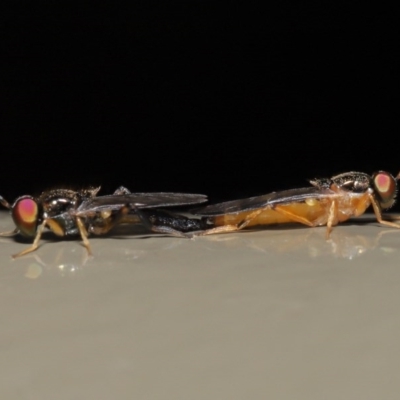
(177, 222)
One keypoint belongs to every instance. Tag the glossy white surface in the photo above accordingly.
(271, 314)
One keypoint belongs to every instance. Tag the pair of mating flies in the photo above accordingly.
(327, 202)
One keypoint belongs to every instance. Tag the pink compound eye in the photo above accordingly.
(385, 186)
(25, 213)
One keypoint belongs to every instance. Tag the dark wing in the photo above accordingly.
(271, 199)
(140, 200)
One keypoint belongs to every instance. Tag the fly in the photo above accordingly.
(328, 201)
(67, 212)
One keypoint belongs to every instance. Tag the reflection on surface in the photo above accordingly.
(250, 306)
(343, 243)
(65, 265)
(67, 262)
(69, 259)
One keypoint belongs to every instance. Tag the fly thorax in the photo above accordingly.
(357, 182)
(58, 206)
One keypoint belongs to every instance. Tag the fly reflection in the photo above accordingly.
(345, 243)
(67, 262)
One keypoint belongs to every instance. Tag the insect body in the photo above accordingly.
(327, 202)
(67, 212)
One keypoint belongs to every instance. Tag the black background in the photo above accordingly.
(227, 99)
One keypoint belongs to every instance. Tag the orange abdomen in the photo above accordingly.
(316, 212)
(270, 216)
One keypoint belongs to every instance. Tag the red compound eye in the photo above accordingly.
(25, 213)
(385, 186)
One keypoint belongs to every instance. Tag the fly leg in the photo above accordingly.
(378, 214)
(109, 220)
(84, 235)
(10, 233)
(292, 216)
(218, 229)
(35, 243)
(332, 218)
(231, 228)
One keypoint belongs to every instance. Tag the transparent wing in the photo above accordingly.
(139, 200)
(271, 199)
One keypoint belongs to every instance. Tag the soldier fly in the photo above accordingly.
(67, 212)
(327, 202)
